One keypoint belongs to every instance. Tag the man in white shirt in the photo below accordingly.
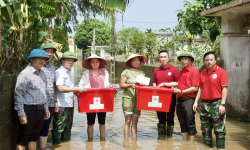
(63, 119)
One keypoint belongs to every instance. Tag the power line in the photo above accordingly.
(148, 22)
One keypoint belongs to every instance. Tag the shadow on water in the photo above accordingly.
(238, 133)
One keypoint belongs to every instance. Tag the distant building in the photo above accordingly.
(71, 45)
(163, 36)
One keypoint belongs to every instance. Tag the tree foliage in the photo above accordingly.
(60, 35)
(196, 24)
(124, 37)
(137, 42)
(150, 43)
(25, 24)
(84, 33)
(131, 40)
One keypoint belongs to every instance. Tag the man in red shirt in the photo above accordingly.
(166, 74)
(188, 83)
(213, 91)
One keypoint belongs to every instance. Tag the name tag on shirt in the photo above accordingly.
(142, 79)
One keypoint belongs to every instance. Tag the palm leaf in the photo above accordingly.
(118, 5)
(18, 13)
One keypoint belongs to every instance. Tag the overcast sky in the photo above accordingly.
(146, 14)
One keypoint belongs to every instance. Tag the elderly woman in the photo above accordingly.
(129, 102)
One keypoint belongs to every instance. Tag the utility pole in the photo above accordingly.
(93, 44)
(122, 22)
(112, 47)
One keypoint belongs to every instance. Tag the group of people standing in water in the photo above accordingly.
(42, 93)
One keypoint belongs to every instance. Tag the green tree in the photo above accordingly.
(60, 35)
(194, 23)
(150, 44)
(124, 37)
(137, 42)
(84, 33)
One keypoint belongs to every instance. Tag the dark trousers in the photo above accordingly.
(186, 116)
(168, 117)
(46, 123)
(91, 117)
(30, 131)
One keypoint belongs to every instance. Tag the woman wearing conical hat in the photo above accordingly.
(95, 77)
(129, 102)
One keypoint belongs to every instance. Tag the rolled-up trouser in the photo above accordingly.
(210, 118)
(63, 120)
(186, 117)
(168, 117)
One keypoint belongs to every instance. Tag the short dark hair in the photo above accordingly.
(163, 50)
(208, 53)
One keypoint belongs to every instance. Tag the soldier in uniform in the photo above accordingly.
(213, 91)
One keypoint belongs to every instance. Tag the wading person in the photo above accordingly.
(95, 77)
(188, 84)
(129, 99)
(49, 70)
(63, 119)
(213, 91)
(166, 75)
(31, 100)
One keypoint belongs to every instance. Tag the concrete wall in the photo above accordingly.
(235, 47)
(8, 116)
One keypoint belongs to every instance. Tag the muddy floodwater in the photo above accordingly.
(237, 137)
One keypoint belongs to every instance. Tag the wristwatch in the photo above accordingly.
(181, 92)
(223, 105)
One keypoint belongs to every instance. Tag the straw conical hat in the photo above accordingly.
(142, 58)
(86, 64)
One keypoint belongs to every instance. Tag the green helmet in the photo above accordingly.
(46, 45)
(69, 54)
(186, 53)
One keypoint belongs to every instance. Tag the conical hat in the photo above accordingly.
(86, 64)
(142, 58)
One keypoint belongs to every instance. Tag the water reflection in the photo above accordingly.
(238, 133)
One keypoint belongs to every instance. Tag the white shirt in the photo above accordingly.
(64, 78)
(84, 82)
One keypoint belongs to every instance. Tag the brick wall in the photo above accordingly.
(8, 116)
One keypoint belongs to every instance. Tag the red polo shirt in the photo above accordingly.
(169, 74)
(188, 78)
(212, 83)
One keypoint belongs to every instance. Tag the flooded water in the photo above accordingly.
(237, 138)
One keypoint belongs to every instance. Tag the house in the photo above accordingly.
(235, 52)
(71, 45)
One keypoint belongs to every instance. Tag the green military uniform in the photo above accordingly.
(210, 118)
